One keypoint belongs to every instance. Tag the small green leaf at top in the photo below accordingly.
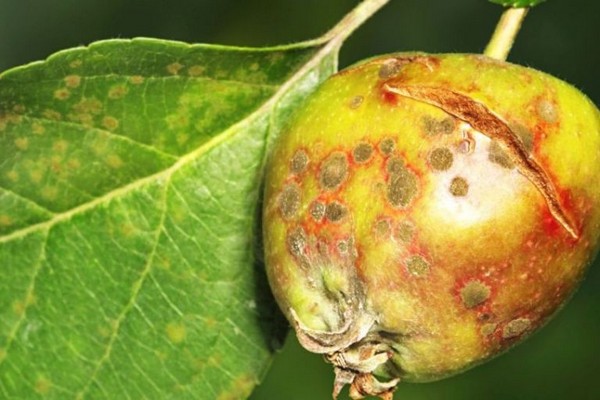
(130, 180)
(518, 3)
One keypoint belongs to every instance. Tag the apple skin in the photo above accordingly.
(390, 221)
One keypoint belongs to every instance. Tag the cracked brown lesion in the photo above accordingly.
(485, 121)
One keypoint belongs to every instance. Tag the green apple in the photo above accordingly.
(424, 213)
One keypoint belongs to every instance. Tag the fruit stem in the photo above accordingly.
(506, 31)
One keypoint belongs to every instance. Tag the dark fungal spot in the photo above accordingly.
(547, 111)
(417, 266)
(498, 156)
(343, 247)
(289, 201)
(296, 241)
(402, 184)
(389, 68)
(488, 329)
(395, 165)
(441, 159)
(524, 135)
(459, 187)
(382, 228)
(516, 327)
(433, 126)
(333, 171)
(474, 293)
(404, 231)
(317, 210)
(362, 152)
(335, 211)
(299, 162)
(387, 146)
(356, 101)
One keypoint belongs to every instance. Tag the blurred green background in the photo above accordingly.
(560, 37)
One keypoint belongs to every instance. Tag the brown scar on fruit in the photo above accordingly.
(441, 159)
(474, 293)
(299, 161)
(289, 201)
(485, 121)
(362, 153)
(459, 186)
(516, 327)
(335, 211)
(334, 171)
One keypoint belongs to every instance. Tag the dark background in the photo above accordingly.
(559, 37)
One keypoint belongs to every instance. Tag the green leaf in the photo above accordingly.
(518, 3)
(130, 175)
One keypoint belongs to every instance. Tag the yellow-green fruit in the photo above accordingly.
(424, 213)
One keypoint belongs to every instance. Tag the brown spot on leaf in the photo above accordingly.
(474, 293)
(483, 120)
(72, 81)
(62, 94)
(289, 201)
(334, 171)
(441, 159)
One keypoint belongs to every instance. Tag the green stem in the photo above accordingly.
(506, 31)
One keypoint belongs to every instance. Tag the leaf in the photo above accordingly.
(518, 3)
(130, 175)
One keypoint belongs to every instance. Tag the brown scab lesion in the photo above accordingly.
(334, 171)
(434, 126)
(317, 210)
(382, 228)
(289, 201)
(441, 159)
(516, 328)
(362, 152)
(401, 185)
(390, 68)
(335, 211)
(356, 102)
(404, 231)
(296, 242)
(299, 162)
(417, 266)
(547, 111)
(498, 155)
(387, 146)
(474, 293)
(459, 187)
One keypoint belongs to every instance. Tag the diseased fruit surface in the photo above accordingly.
(424, 213)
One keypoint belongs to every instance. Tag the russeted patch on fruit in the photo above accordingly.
(423, 213)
